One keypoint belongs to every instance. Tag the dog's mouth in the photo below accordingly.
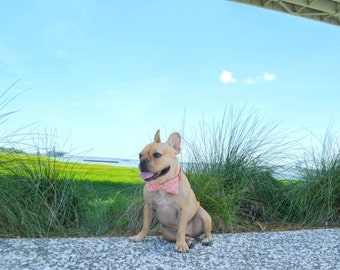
(148, 176)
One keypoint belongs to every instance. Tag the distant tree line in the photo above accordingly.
(11, 150)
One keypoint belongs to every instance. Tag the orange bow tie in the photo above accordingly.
(170, 186)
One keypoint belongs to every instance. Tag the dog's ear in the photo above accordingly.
(157, 138)
(175, 141)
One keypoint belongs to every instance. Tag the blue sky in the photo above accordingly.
(107, 74)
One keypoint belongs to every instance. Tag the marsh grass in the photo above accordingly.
(231, 169)
(41, 196)
(315, 200)
(38, 197)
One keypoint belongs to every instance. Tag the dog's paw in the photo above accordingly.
(190, 241)
(207, 241)
(137, 238)
(182, 247)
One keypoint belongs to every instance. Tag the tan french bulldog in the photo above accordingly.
(168, 194)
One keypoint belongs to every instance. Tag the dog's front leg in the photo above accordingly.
(147, 217)
(181, 244)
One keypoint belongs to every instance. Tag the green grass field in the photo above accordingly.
(107, 180)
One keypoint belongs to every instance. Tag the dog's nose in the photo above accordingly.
(143, 164)
(143, 161)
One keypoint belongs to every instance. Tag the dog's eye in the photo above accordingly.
(156, 155)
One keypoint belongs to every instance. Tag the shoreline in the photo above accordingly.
(288, 173)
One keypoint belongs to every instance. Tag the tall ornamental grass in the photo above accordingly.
(231, 169)
(315, 200)
(38, 198)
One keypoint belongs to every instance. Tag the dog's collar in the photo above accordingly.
(170, 186)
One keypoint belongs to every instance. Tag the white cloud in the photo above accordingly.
(269, 77)
(227, 77)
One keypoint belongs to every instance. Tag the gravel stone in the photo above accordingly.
(307, 249)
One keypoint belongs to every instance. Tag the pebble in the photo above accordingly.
(306, 249)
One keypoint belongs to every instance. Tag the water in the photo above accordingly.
(280, 172)
(131, 163)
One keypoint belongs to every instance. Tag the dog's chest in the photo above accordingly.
(166, 207)
(163, 200)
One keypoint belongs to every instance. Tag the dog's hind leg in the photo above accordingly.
(171, 235)
(207, 226)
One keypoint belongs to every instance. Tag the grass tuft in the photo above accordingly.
(38, 198)
(315, 200)
(231, 169)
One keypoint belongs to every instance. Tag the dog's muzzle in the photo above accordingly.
(144, 165)
(147, 174)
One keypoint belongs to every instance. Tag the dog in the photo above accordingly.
(168, 194)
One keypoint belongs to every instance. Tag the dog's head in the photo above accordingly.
(157, 161)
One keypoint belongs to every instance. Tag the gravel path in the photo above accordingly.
(309, 249)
